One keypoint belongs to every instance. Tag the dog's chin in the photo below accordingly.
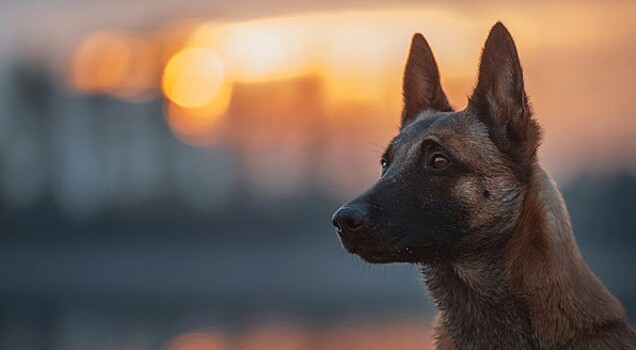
(378, 256)
(386, 255)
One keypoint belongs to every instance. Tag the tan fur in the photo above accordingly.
(566, 301)
(567, 307)
(469, 137)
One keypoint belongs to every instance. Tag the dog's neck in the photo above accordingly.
(532, 291)
(478, 308)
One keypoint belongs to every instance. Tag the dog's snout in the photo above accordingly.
(348, 218)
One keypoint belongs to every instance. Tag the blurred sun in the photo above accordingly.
(258, 51)
(194, 78)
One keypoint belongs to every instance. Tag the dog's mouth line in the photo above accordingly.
(394, 251)
(416, 247)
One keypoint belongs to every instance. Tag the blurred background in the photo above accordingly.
(168, 169)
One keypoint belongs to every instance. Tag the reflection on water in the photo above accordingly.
(403, 335)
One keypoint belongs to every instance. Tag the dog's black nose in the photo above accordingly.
(348, 219)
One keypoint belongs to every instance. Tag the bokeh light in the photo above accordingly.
(194, 78)
(277, 337)
(117, 64)
(101, 62)
(141, 79)
(197, 126)
(198, 341)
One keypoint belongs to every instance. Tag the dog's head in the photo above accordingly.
(449, 179)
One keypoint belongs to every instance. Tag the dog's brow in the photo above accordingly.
(431, 140)
(389, 149)
(423, 123)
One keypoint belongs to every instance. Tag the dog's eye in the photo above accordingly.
(438, 161)
(383, 163)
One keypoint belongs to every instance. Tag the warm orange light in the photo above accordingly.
(198, 127)
(143, 74)
(279, 337)
(195, 84)
(194, 78)
(101, 62)
(171, 38)
(198, 341)
(257, 51)
(359, 55)
(116, 64)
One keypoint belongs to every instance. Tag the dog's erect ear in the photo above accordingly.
(500, 99)
(421, 87)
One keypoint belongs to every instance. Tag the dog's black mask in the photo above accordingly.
(409, 215)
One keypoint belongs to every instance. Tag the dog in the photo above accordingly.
(462, 195)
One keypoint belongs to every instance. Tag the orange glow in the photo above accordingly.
(171, 38)
(569, 53)
(143, 72)
(198, 341)
(403, 335)
(194, 78)
(101, 62)
(359, 55)
(275, 337)
(407, 336)
(195, 84)
(197, 126)
(116, 64)
(259, 50)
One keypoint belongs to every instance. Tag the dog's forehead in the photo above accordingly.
(459, 131)
(431, 124)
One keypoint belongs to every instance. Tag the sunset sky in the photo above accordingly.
(579, 60)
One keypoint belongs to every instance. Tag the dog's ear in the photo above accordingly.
(500, 99)
(421, 86)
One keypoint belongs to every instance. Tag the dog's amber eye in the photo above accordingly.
(438, 161)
